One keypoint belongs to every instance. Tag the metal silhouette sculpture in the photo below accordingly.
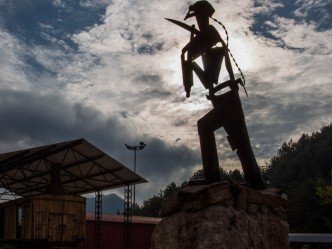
(227, 111)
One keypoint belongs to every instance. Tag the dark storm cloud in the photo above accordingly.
(181, 122)
(154, 87)
(156, 94)
(124, 114)
(175, 159)
(150, 49)
(148, 78)
(44, 119)
(275, 118)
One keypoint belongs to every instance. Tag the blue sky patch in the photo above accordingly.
(317, 13)
(30, 20)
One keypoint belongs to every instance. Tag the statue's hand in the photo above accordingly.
(211, 93)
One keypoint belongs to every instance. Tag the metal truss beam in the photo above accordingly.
(98, 219)
(127, 213)
(74, 164)
(43, 153)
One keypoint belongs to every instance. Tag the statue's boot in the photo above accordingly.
(209, 157)
(239, 139)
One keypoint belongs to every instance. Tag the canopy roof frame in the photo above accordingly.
(83, 168)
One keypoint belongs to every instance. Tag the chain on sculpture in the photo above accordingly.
(206, 43)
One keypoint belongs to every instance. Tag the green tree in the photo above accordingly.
(324, 191)
(234, 175)
(150, 207)
(170, 188)
(297, 169)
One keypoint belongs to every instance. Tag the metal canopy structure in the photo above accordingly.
(78, 165)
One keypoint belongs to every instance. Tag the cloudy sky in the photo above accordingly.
(109, 71)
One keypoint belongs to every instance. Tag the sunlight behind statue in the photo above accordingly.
(205, 42)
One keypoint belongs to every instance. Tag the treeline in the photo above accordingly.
(301, 169)
(152, 206)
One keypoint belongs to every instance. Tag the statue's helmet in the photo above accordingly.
(200, 8)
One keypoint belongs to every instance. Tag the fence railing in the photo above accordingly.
(310, 237)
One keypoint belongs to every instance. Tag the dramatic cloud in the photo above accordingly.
(110, 71)
(30, 119)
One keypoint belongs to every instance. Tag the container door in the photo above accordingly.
(19, 219)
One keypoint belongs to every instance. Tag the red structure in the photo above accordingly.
(112, 231)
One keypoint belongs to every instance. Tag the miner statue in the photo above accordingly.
(206, 43)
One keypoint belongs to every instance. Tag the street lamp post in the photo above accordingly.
(141, 146)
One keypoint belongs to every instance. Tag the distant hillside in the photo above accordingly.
(112, 203)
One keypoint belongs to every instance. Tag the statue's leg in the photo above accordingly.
(239, 140)
(229, 114)
(207, 125)
(208, 150)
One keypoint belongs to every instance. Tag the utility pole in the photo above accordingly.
(141, 146)
(128, 205)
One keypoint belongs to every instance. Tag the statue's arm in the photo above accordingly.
(228, 63)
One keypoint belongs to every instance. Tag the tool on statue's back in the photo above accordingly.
(187, 71)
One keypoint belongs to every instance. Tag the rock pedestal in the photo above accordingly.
(222, 216)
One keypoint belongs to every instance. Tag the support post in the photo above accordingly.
(134, 184)
(127, 216)
(141, 146)
(98, 219)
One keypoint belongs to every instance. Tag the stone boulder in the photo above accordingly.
(222, 216)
